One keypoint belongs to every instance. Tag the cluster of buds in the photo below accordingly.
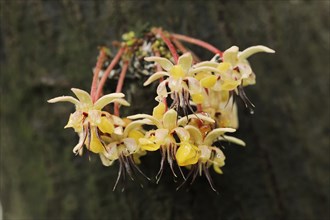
(196, 105)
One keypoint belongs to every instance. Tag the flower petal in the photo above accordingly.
(159, 111)
(149, 144)
(111, 152)
(185, 61)
(230, 55)
(214, 135)
(187, 154)
(118, 121)
(80, 143)
(105, 161)
(121, 101)
(145, 116)
(195, 133)
(182, 133)
(205, 153)
(204, 69)
(106, 125)
(218, 160)
(161, 90)
(64, 99)
(209, 81)
(206, 64)
(134, 125)
(131, 145)
(161, 134)
(194, 85)
(163, 62)
(75, 121)
(83, 96)
(95, 144)
(252, 50)
(233, 140)
(184, 120)
(170, 118)
(155, 77)
(106, 99)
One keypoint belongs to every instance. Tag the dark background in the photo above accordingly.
(48, 47)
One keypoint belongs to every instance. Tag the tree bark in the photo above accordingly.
(47, 47)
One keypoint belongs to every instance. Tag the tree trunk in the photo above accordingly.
(47, 47)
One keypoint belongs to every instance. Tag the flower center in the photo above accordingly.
(177, 72)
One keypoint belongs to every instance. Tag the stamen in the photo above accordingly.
(209, 178)
(248, 104)
(160, 172)
(137, 168)
(120, 171)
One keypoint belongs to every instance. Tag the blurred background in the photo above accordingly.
(48, 47)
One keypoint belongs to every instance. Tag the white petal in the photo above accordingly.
(230, 55)
(204, 69)
(175, 85)
(80, 143)
(130, 144)
(182, 133)
(206, 64)
(64, 99)
(153, 120)
(111, 152)
(195, 134)
(185, 61)
(83, 96)
(169, 119)
(184, 120)
(104, 100)
(254, 49)
(194, 85)
(233, 140)
(105, 161)
(94, 117)
(155, 77)
(117, 121)
(163, 62)
(214, 135)
(121, 101)
(244, 69)
(205, 152)
(161, 90)
(161, 134)
(118, 131)
(135, 124)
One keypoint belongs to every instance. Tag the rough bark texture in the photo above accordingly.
(47, 47)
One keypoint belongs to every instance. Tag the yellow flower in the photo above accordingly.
(164, 136)
(165, 122)
(89, 121)
(221, 107)
(179, 79)
(123, 146)
(235, 68)
(187, 154)
(210, 154)
(233, 71)
(123, 143)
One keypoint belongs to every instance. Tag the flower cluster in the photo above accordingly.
(195, 111)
